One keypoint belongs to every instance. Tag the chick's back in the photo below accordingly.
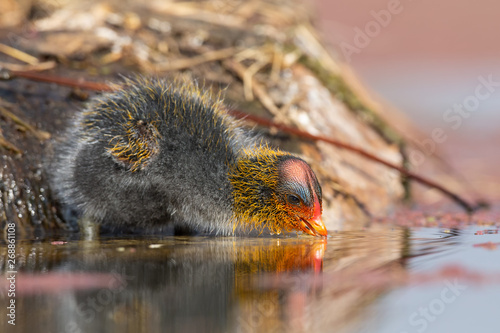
(152, 152)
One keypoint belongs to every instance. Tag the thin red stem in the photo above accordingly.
(95, 86)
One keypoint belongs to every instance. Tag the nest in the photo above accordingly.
(265, 55)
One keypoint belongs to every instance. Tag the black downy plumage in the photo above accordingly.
(157, 153)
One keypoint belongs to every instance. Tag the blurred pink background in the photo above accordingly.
(428, 57)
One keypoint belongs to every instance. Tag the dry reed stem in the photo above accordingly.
(18, 54)
(195, 61)
(9, 146)
(311, 45)
(277, 64)
(193, 11)
(248, 78)
(257, 88)
(41, 66)
(39, 134)
(282, 116)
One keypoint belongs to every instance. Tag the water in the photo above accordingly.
(375, 280)
(462, 294)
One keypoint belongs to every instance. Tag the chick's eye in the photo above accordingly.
(294, 200)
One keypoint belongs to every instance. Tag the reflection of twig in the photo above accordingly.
(259, 91)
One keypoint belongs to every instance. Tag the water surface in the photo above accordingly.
(367, 281)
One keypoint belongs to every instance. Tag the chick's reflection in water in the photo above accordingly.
(179, 285)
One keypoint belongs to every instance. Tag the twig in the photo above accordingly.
(248, 78)
(284, 128)
(39, 134)
(287, 129)
(282, 118)
(82, 84)
(17, 54)
(41, 66)
(258, 90)
(195, 61)
(7, 145)
(276, 64)
(193, 11)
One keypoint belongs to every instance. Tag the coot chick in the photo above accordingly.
(156, 153)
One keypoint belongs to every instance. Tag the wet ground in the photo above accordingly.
(382, 279)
